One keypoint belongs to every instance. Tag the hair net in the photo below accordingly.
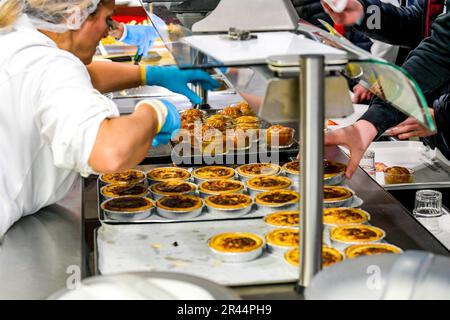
(59, 15)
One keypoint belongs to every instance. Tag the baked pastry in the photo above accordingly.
(344, 216)
(127, 204)
(229, 201)
(330, 256)
(292, 167)
(220, 117)
(127, 177)
(247, 119)
(179, 203)
(331, 169)
(245, 108)
(258, 169)
(232, 112)
(278, 135)
(336, 196)
(166, 173)
(283, 237)
(220, 186)
(356, 234)
(267, 183)
(118, 190)
(191, 115)
(370, 249)
(213, 172)
(172, 187)
(277, 198)
(251, 129)
(394, 175)
(235, 242)
(283, 219)
(217, 124)
(240, 138)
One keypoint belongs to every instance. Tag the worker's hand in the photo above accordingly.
(140, 36)
(361, 94)
(356, 138)
(352, 13)
(176, 80)
(411, 128)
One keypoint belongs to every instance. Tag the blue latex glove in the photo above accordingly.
(140, 36)
(170, 126)
(176, 80)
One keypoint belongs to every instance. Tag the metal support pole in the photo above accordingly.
(312, 105)
(197, 88)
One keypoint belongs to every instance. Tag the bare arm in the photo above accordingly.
(123, 142)
(113, 76)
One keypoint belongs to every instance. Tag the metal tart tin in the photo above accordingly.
(335, 180)
(294, 176)
(276, 248)
(107, 197)
(157, 196)
(236, 257)
(254, 192)
(229, 213)
(152, 181)
(143, 180)
(127, 215)
(244, 177)
(198, 179)
(339, 203)
(266, 218)
(341, 244)
(179, 214)
(352, 247)
(294, 268)
(205, 194)
(266, 208)
(331, 225)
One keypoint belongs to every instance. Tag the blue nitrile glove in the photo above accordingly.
(176, 80)
(170, 126)
(140, 36)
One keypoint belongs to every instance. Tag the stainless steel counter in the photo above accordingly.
(41, 252)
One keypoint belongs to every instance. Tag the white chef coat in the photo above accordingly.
(49, 118)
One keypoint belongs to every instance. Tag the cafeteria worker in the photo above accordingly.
(54, 122)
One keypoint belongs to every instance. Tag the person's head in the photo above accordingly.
(75, 25)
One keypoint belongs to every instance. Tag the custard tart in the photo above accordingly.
(231, 111)
(245, 108)
(247, 119)
(278, 240)
(127, 208)
(236, 246)
(337, 196)
(396, 174)
(283, 219)
(257, 185)
(127, 177)
(229, 204)
(276, 200)
(292, 169)
(279, 136)
(248, 171)
(179, 207)
(370, 249)
(118, 190)
(213, 172)
(333, 172)
(172, 187)
(357, 234)
(344, 216)
(330, 256)
(167, 173)
(220, 186)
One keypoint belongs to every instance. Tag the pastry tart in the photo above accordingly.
(236, 246)
(370, 249)
(231, 111)
(337, 196)
(172, 187)
(220, 186)
(229, 201)
(245, 108)
(247, 119)
(179, 207)
(283, 219)
(395, 175)
(277, 198)
(333, 172)
(127, 208)
(292, 168)
(278, 136)
(356, 234)
(344, 216)
(213, 172)
(267, 183)
(167, 173)
(118, 190)
(278, 240)
(127, 177)
(330, 256)
(248, 171)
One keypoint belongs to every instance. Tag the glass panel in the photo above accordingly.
(392, 84)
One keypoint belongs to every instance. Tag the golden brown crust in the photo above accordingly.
(269, 183)
(330, 256)
(127, 204)
(180, 203)
(229, 201)
(277, 197)
(344, 216)
(131, 176)
(258, 169)
(191, 115)
(247, 119)
(358, 233)
(283, 237)
(118, 190)
(245, 108)
(232, 112)
(283, 219)
(336, 193)
(395, 175)
(220, 186)
(235, 242)
(161, 174)
(213, 172)
(331, 168)
(171, 187)
(370, 249)
(292, 167)
(279, 135)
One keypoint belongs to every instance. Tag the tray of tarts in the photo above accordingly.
(333, 172)
(132, 176)
(236, 246)
(127, 208)
(345, 236)
(229, 204)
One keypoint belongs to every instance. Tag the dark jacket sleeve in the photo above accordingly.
(429, 65)
(400, 26)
